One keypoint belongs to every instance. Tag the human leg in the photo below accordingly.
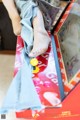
(13, 14)
(41, 37)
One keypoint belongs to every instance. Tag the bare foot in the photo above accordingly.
(41, 43)
(16, 25)
(41, 37)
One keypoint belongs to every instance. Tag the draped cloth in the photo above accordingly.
(22, 93)
(49, 12)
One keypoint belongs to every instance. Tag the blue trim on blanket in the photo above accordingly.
(58, 69)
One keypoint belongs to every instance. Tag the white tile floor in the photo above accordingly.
(6, 75)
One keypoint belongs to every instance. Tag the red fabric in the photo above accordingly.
(46, 81)
(70, 109)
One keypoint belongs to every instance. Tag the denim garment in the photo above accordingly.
(22, 94)
(49, 11)
(28, 10)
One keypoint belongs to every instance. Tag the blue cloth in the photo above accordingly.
(22, 94)
(28, 10)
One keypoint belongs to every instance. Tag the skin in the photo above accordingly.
(15, 18)
(41, 37)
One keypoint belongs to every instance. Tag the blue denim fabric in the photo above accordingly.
(28, 10)
(22, 93)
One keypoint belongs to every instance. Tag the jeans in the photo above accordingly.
(22, 93)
